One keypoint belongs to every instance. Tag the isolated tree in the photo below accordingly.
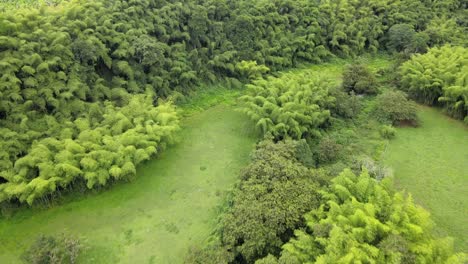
(359, 79)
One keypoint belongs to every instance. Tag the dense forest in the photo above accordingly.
(91, 89)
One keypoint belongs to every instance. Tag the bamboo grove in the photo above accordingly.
(439, 77)
(85, 85)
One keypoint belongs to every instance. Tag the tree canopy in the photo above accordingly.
(439, 77)
(363, 220)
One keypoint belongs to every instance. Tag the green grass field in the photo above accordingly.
(172, 204)
(431, 162)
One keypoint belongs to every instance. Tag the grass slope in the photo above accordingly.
(171, 205)
(431, 162)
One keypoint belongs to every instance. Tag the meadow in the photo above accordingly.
(431, 163)
(172, 205)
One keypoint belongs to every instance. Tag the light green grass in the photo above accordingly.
(431, 162)
(172, 204)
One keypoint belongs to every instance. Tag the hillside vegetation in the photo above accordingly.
(65, 68)
(123, 126)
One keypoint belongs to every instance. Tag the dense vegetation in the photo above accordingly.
(276, 190)
(362, 220)
(353, 218)
(293, 105)
(90, 90)
(69, 63)
(439, 77)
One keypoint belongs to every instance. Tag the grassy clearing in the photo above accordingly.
(431, 162)
(172, 204)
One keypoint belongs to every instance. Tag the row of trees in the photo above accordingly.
(439, 77)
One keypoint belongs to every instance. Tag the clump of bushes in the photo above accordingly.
(387, 131)
(395, 108)
(62, 249)
(276, 189)
(358, 78)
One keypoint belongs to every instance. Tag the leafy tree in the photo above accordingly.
(400, 37)
(346, 105)
(359, 79)
(275, 191)
(394, 107)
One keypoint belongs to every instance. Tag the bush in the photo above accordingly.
(53, 250)
(395, 108)
(275, 191)
(328, 150)
(387, 131)
(212, 254)
(374, 168)
(358, 78)
(347, 105)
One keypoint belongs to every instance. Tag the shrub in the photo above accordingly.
(275, 191)
(374, 168)
(304, 154)
(358, 78)
(387, 131)
(53, 250)
(328, 150)
(394, 107)
(347, 105)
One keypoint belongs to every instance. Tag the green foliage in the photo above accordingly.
(61, 62)
(97, 149)
(346, 105)
(400, 37)
(53, 250)
(444, 30)
(328, 150)
(395, 108)
(387, 131)
(250, 69)
(275, 191)
(363, 220)
(439, 78)
(359, 79)
(290, 106)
